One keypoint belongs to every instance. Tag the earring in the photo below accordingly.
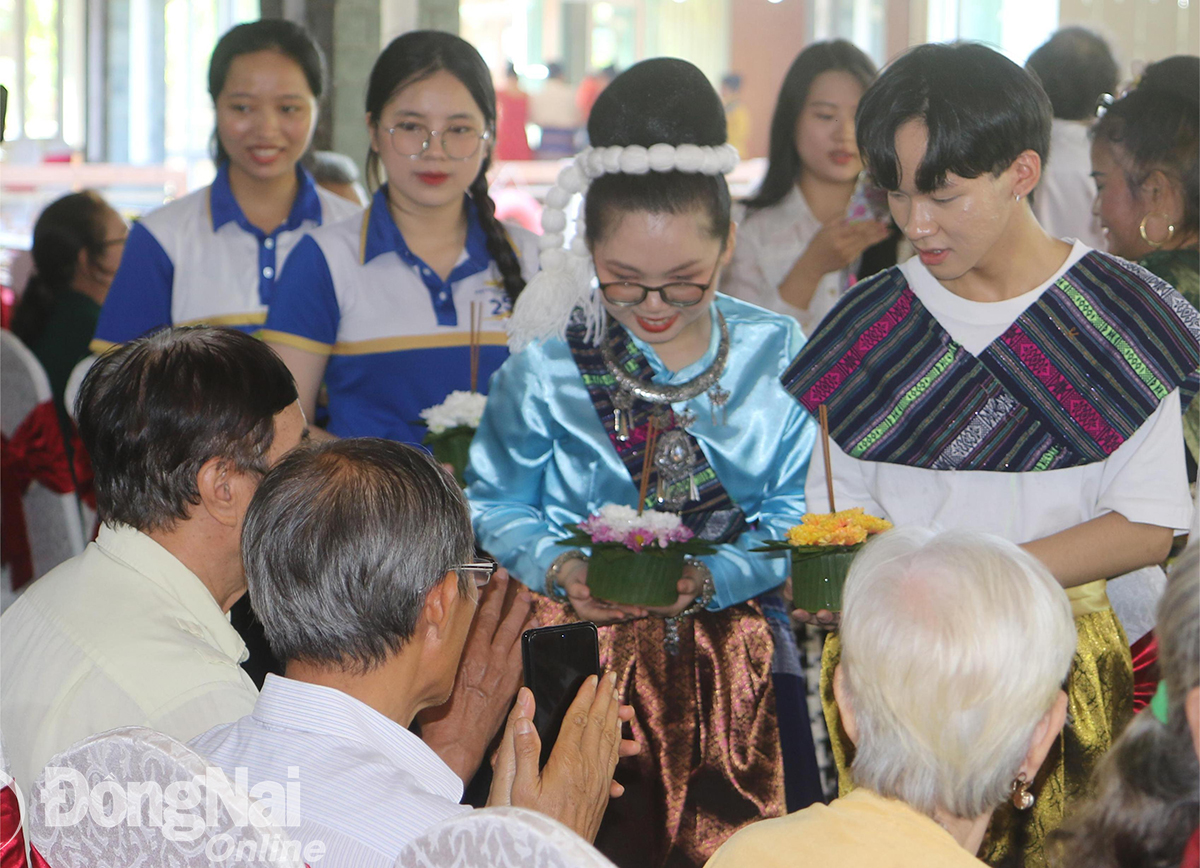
(1017, 197)
(1022, 799)
(1146, 238)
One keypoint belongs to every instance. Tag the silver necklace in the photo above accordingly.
(630, 387)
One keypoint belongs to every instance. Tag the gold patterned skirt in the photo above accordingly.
(1099, 705)
(705, 717)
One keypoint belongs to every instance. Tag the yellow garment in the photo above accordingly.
(1100, 703)
(860, 830)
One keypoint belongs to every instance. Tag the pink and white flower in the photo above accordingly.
(621, 524)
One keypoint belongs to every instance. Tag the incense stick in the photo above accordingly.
(823, 417)
(647, 463)
(476, 328)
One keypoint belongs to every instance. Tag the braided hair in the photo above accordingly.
(415, 56)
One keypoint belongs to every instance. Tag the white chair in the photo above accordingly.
(135, 797)
(75, 381)
(70, 393)
(500, 838)
(52, 520)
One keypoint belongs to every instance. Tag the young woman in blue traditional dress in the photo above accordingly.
(1006, 381)
(713, 678)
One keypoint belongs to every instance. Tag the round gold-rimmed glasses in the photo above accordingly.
(459, 141)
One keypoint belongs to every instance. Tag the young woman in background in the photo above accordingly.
(379, 306)
(796, 246)
(213, 256)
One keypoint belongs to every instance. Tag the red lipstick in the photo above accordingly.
(656, 326)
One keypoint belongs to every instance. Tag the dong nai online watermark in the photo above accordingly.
(239, 822)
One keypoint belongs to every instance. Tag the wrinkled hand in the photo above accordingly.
(824, 618)
(839, 242)
(573, 578)
(460, 730)
(577, 781)
(689, 587)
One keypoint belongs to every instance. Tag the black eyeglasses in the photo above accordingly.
(626, 293)
(479, 571)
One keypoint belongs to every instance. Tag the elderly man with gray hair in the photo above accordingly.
(360, 560)
(954, 651)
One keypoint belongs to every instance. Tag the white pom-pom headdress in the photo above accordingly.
(544, 307)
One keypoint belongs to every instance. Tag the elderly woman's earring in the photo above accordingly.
(1022, 799)
(1170, 230)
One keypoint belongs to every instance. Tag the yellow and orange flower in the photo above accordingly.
(845, 528)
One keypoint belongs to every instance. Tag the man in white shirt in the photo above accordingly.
(1076, 68)
(180, 427)
(360, 560)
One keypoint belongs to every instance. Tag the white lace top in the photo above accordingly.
(769, 241)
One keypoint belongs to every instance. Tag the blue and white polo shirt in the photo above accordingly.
(397, 335)
(199, 260)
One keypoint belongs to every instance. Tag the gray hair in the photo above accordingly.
(333, 168)
(342, 543)
(954, 646)
(1146, 798)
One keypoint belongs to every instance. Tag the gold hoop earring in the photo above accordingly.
(1170, 230)
(1022, 799)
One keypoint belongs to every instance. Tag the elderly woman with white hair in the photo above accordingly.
(945, 727)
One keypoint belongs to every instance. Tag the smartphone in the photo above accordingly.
(557, 661)
(868, 201)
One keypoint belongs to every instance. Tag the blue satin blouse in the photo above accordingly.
(542, 459)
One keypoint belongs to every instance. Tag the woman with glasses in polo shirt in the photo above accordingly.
(213, 256)
(384, 308)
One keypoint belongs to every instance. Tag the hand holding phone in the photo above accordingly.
(557, 660)
(577, 782)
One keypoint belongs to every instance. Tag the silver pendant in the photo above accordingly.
(673, 458)
(622, 402)
(671, 636)
(719, 398)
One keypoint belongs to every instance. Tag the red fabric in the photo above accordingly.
(36, 860)
(512, 113)
(1145, 670)
(8, 300)
(36, 452)
(12, 848)
(1191, 853)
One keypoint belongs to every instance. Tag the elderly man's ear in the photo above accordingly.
(225, 492)
(443, 617)
(845, 707)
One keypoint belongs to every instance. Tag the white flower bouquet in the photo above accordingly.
(451, 427)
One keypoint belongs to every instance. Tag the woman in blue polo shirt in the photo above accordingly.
(212, 256)
(379, 307)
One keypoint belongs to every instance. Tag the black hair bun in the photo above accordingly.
(659, 100)
(1178, 76)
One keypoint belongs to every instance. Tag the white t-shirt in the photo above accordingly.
(769, 241)
(1144, 479)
